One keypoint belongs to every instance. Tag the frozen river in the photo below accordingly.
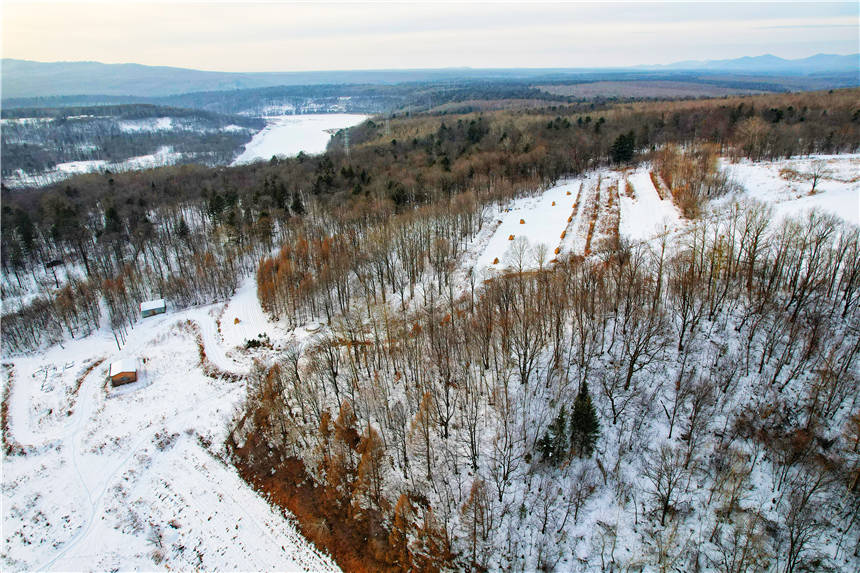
(289, 134)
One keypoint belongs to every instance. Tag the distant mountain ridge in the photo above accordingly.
(768, 63)
(25, 78)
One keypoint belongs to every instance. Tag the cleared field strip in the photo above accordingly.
(648, 214)
(539, 220)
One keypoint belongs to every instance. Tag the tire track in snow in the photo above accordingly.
(96, 505)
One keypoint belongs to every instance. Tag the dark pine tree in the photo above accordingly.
(553, 445)
(584, 427)
(183, 229)
(297, 207)
(623, 148)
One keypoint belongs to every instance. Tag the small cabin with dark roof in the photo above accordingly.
(152, 307)
(123, 371)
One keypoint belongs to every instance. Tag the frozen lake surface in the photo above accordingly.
(287, 135)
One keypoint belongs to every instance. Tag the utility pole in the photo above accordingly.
(346, 142)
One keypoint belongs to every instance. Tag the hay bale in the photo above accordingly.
(511, 238)
(496, 261)
(522, 221)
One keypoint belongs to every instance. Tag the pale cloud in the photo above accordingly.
(279, 36)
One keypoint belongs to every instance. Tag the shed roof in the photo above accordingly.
(123, 365)
(152, 304)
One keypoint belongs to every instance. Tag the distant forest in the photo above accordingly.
(203, 130)
(34, 140)
(361, 98)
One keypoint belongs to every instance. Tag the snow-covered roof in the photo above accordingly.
(123, 365)
(151, 304)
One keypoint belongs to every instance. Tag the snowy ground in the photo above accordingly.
(571, 208)
(646, 216)
(132, 477)
(544, 216)
(786, 184)
(150, 124)
(287, 135)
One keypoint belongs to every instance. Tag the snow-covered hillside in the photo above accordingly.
(133, 477)
(163, 156)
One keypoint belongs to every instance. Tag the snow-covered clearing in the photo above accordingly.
(571, 218)
(133, 477)
(787, 184)
(587, 200)
(243, 319)
(544, 218)
(144, 125)
(287, 135)
(645, 214)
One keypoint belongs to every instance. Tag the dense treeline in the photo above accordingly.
(360, 97)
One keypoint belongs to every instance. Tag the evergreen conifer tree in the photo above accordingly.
(298, 208)
(623, 148)
(553, 444)
(584, 427)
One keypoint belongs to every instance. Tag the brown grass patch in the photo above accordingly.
(209, 369)
(10, 446)
(73, 396)
(628, 189)
(657, 185)
(594, 212)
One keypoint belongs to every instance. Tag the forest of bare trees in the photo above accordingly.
(703, 367)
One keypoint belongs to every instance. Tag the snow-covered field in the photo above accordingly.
(786, 185)
(163, 156)
(151, 124)
(287, 135)
(132, 477)
(541, 219)
(646, 215)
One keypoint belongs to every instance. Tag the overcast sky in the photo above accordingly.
(281, 36)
